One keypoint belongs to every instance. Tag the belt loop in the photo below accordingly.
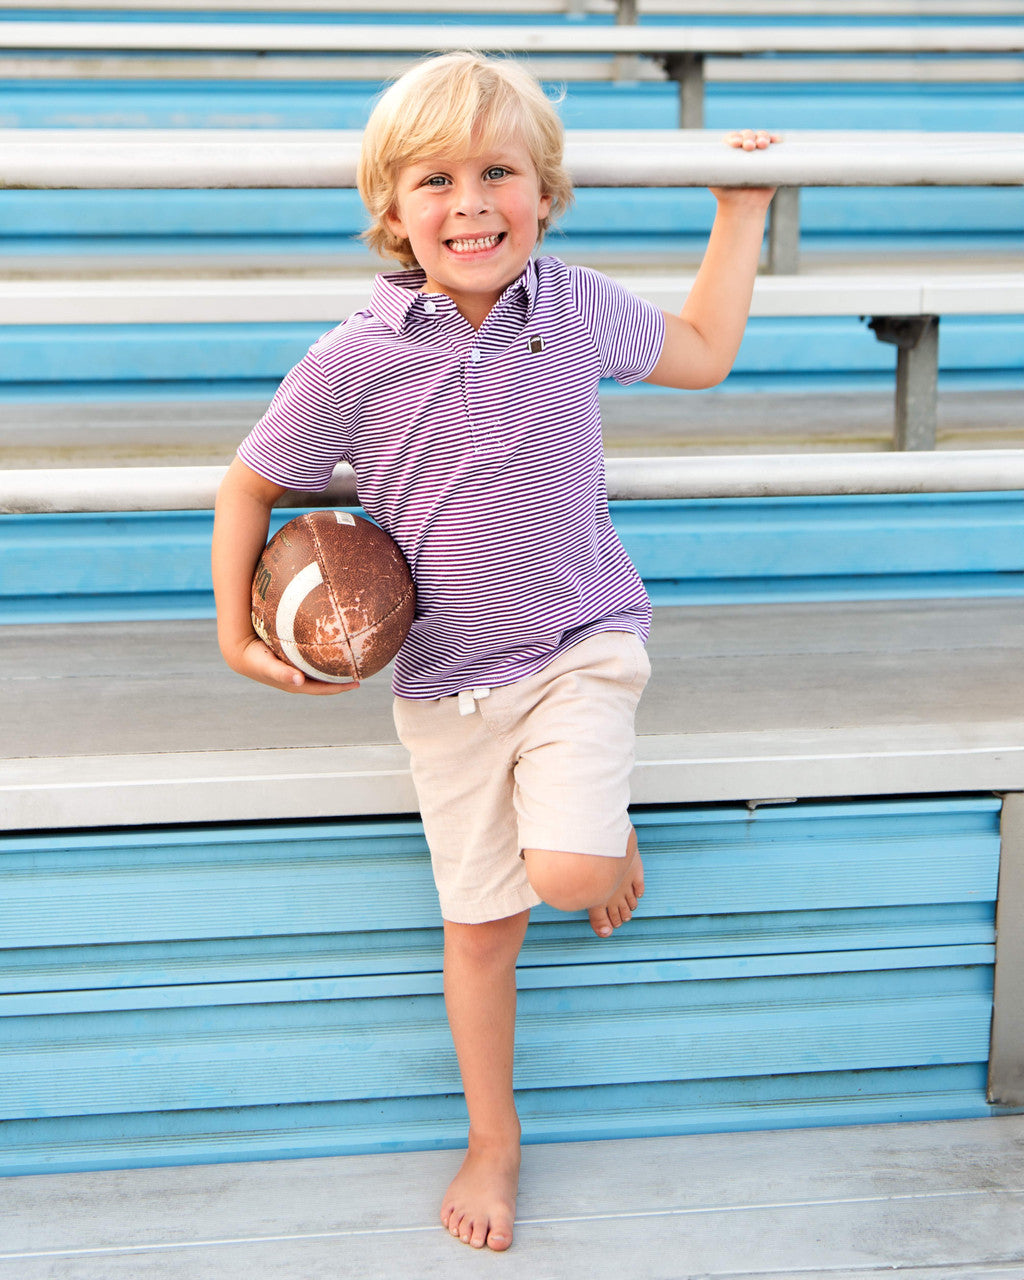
(468, 698)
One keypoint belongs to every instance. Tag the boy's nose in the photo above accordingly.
(471, 201)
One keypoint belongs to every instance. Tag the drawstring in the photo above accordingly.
(468, 698)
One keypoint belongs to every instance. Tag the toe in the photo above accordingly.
(499, 1240)
(600, 922)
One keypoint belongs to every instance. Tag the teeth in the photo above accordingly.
(467, 246)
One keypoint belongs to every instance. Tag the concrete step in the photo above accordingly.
(637, 423)
(940, 1200)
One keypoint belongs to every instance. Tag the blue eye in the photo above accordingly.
(495, 172)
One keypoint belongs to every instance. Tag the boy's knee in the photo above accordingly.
(492, 942)
(572, 881)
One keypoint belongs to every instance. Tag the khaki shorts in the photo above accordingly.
(543, 763)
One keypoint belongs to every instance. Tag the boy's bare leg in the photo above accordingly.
(578, 881)
(480, 997)
(622, 903)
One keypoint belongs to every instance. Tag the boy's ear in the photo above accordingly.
(394, 224)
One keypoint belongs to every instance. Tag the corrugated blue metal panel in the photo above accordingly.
(399, 1124)
(151, 103)
(146, 565)
(270, 1044)
(62, 964)
(184, 219)
(78, 889)
(821, 963)
(43, 362)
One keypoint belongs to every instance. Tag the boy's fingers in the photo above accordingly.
(264, 665)
(322, 687)
(296, 682)
(752, 139)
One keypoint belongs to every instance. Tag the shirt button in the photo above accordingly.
(474, 356)
(429, 307)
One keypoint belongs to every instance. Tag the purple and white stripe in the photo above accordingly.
(480, 453)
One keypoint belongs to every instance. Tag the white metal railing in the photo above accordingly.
(327, 299)
(67, 490)
(626, 10)
(646, 40)
(216, 159)
(680, 50)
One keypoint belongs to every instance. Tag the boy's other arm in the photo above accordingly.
(240, 526)
(702, 341)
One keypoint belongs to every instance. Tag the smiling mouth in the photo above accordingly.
(473, 244)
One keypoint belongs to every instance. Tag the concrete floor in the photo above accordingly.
(933, 1201)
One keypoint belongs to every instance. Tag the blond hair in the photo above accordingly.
(455, 105)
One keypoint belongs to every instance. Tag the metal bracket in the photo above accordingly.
(916, 339)
(688, 70)
(1006, 1052)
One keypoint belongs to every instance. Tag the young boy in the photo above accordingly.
(465, 396)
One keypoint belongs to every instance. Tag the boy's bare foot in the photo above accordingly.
(479, 1207)
(620, 906)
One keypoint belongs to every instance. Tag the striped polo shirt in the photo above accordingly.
(480, 452)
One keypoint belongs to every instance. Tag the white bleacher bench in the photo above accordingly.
(34, 491)
(361, 775)
(680, 51)
(217, 159)
(909, 66)
(904, 310)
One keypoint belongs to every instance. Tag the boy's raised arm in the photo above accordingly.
(241, 523)
(701, 342)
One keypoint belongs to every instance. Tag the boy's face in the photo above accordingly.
(472, 223)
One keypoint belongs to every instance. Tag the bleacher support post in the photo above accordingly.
(627, 65)
(784, 232)
(1006, 1055)
(917, 376)
(687, 69)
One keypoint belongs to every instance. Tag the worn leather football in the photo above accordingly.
(333, 596)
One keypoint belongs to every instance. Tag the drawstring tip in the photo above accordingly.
(468, 698)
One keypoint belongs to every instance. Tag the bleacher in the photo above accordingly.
(218, 939)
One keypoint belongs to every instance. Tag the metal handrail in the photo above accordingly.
(104, 489)
(657, 41)
(217, 159)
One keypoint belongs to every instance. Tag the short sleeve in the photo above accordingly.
(629, 331)
(303, 434)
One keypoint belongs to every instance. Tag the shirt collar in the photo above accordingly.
(397, 295)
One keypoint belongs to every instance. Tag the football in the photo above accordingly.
(332, 595)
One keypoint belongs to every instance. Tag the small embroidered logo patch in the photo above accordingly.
(536, 346)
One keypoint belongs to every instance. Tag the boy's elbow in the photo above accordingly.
(692, 359)
(691, 376)
(705, 379)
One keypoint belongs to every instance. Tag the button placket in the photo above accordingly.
(486, 432)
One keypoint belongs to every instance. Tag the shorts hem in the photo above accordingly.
(486, 912)
(605, 846)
